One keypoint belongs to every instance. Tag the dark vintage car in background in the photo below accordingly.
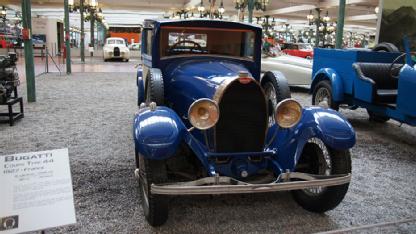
(209, 123)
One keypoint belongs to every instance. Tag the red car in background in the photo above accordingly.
(7, 41)
(302, 50)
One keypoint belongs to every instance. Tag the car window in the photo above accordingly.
(147, 41)
(175, 37)
(213, 41)
(115, 42)
(289, 47)
(292, 47)
(305, 47)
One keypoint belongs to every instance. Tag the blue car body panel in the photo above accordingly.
(159, 133)
(341, 62)
(195, 79)
(349, 89)
(140, 86)
(335, 79)
(407, 87)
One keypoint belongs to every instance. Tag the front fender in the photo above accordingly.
(326, 124)
(157, 133)
(336, 82)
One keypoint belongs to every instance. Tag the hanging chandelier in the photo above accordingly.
(214, 13)
(258, 4)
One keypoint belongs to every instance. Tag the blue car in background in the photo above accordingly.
(209, 123)
(383, 81)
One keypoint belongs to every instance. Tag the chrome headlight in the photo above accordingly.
(288, 113)
(203, 113)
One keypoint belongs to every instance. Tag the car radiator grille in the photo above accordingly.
(243, 119)
(116, 51)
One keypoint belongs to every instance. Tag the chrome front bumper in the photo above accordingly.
(228, 185)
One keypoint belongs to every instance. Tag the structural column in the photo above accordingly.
(81, 9)
(92, 19)
(27, 39)
(67, 38)
(92, 31)
(104, 32)
(340, 24)
(318, 23)
(250, 8)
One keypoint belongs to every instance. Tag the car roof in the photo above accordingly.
(296, 43)
(115, 38)
(200, 22)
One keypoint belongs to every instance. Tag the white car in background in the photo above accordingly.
(115, 48)
(134, 46)
(298, 71)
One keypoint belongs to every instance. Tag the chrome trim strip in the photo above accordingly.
(228, 185)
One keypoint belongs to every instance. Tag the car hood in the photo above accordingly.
(210, 71)
(288, 59)
(192, 80)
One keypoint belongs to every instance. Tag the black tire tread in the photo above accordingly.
(327, 84)
(136, 157)
(154, 85)
(386, 46)
(279, 83)
(156, 173)
(376, 117)
(332, 196)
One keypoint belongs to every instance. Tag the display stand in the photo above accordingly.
(12, 116)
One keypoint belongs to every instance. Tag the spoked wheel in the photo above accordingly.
(319, 159)
(322, 96)
(271, 100)
(276, 90)
(155, 206)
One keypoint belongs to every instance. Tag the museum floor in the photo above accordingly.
(91, 114)
(92, 64)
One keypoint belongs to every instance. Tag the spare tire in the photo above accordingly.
(386, 47)
(154, 87)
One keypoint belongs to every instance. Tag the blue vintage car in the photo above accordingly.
(383, 81)
(210, 123)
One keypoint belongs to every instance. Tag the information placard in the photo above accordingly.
(35, 191)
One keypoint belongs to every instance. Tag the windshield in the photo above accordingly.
(305, 47)
(115, 41)
(212, 41)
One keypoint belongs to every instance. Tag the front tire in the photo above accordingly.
(319, 159)
(276, 89)
(155, 206)
(322, 95)
(136, 158)
(372, 116)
